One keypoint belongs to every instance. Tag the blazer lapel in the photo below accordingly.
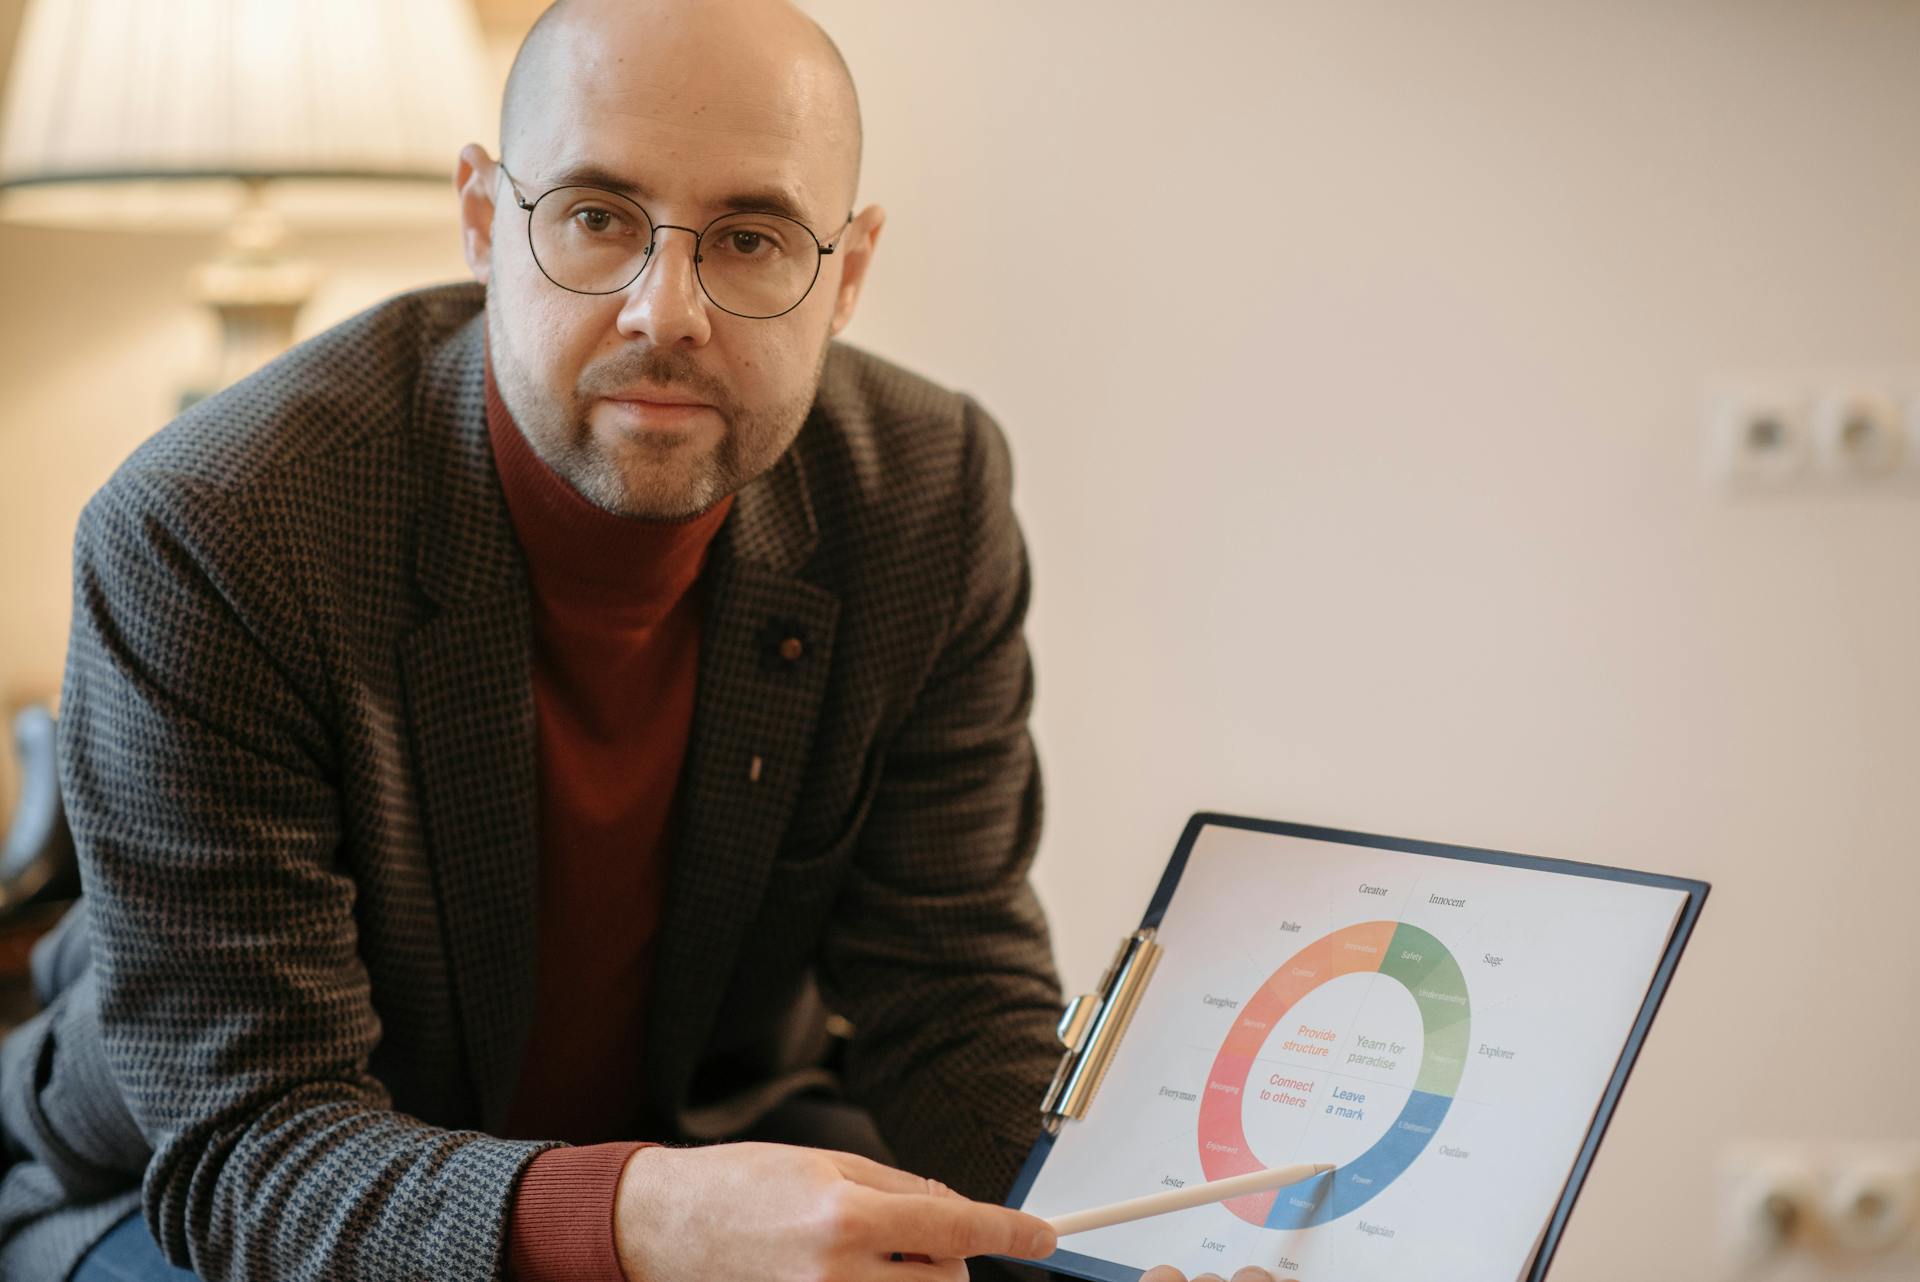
(765, 649)
(468, 680)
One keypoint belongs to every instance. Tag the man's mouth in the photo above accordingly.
(651, 396)
(650, 412)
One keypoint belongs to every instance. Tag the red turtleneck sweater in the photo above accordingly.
(616, 642)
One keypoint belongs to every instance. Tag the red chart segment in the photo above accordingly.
(1438, 989)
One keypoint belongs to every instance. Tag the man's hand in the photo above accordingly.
(754, 1212)
(1167, 1273)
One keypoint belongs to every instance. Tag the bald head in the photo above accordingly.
(760, 60)
(673, 143)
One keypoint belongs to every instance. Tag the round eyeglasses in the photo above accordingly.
(749, 263)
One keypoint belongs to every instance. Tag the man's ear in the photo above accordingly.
(475, 179)
(856, 255)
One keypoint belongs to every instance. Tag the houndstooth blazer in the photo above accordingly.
(297, 742)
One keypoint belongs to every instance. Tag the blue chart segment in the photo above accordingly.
(1420, 963)
(1348, 1188)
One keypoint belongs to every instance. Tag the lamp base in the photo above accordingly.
(255, 294)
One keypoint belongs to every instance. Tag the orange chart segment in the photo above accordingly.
(1360, 947)
(1348, 951)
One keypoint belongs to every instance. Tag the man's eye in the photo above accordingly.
(747, 243)
(596, 220)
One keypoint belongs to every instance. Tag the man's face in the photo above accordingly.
(652, 401)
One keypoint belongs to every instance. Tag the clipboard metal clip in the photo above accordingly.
(1092, 1028)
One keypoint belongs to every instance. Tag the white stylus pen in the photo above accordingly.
(1140, 1208)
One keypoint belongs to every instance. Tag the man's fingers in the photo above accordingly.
(924, 1270)
(954, 1228)
(918, 1269)
(1167, 1273)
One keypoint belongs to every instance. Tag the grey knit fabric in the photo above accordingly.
(297, 746)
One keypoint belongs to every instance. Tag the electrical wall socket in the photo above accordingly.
(1870, 1205)
(1797, 1212)
(1756, 438)
(1819, 431)
(1766, 1208)
(1858, 433)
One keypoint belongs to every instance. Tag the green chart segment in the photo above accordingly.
(1404, 953)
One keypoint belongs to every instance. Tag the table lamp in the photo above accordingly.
(244, 116)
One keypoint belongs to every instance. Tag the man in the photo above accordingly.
(480, 724)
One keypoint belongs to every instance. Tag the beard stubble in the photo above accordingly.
(646, 482)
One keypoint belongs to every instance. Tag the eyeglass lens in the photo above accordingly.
(596, 242)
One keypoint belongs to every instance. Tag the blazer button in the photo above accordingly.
(783, 647)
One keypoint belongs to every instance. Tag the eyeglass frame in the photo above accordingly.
(520, 199)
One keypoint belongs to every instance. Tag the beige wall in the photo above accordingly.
(1352, 357)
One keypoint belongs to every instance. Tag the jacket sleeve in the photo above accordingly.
(58, 1104)
(938, 952)
(233, 1007)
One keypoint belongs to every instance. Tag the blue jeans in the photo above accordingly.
(128, 1253)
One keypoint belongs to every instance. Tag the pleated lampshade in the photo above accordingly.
(155, 113)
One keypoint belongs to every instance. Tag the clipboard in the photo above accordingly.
(1298, 968)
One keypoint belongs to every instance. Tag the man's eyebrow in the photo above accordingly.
(766, 200)
(592, 175)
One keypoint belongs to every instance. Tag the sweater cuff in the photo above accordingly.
(561, 1225)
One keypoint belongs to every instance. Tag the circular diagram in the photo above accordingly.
(1404, 953)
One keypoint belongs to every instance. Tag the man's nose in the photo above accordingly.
(665, 302)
